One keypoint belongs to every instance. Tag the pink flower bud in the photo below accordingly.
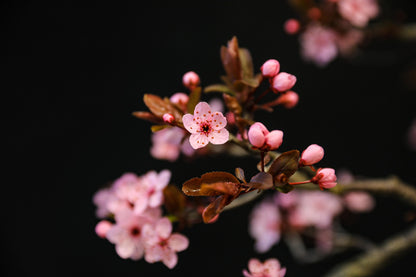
(270, 68)
(311, 155)
(325, 178)
(261, 138)
(257, 134)
(291, 26)
(180, 99)
(274, 139)
(102, 228)
(168, 118)
(288, 99)
(283, 82)
(190, 80)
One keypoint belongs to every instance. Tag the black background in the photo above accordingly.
(74, 72)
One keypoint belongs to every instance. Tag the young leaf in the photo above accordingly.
(231, 60)
(159, 107)
(262, 180)
(148, 116)
(219, 88)
(239, 173)
(213, 209)
(212, 184)
(246, 63)
(286, 164)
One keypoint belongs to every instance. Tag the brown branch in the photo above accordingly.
(372, 261)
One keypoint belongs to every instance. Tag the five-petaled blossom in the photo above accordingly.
(205, 126)
(161, 244)
(270, 268)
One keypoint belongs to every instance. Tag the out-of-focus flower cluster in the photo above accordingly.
(304, 212)
(132, 218)
(329, 28)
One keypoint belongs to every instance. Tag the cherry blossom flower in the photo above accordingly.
(168, 144)
(359, 201)
(313, 208)
(318, 44)
(270, 68)
(325, 178)
(311, 155)
(265, 225)
(101, 199)
(190, 80)
(180, 99)
(270, 268)
(150, 191)
(161, 244)
(261, 138)
(126, 233)
(358, 12)
(205, 126)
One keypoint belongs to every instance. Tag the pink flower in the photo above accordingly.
(359, 201)
(314, 208)
(270, 268)
(161, 244)
(270, 68)
(190, 80)
(311, 155)
(150, 191)
(265, 225)
(205, 126)
(291, 26)
(325, 178)
(261, 138)
(289, 99)
(102, 228)
(126, 233)
(358, 12)
(167, 144)
(349, 41)
(101, 199)
(283, 82)
(318, 44)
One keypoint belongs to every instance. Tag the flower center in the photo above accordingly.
(135, 231)
(205, 128)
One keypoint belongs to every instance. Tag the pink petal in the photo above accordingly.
(116, 234)
(125, 248)
(163, 179)
(274, 139)
(256, 135)
(201, 109)
(153, 254)
(272, 265)
(255, 266)
(218, 121)
(156, 199)
(140, 204)
(219, 137)
(138, 252)
(178, 242)
(198, 140)
(169, 258)
(149, 236)
(246, 273)
(190, 125)
(164, 227)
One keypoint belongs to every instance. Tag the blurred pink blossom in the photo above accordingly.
(289, 99)
(180, 99)
(102, 228)
(270, 268)
(161, 244)
(358, 12)
(318, 44)
(291, 26)
(265, 225)
(359, 201)
(205, 126)
(167, 144)
(126, 233)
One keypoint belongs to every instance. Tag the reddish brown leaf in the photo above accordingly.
(213, 209)
(231, 60)
(262, 180)
(287, 164)
(212, 184)
(159, 106)
(148, 116)
(194, 99)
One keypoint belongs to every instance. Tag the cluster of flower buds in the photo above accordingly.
(131, 218)
(330, 27)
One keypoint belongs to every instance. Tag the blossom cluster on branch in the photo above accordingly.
(143, 215)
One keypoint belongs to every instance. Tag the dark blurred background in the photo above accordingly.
(72, 74)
